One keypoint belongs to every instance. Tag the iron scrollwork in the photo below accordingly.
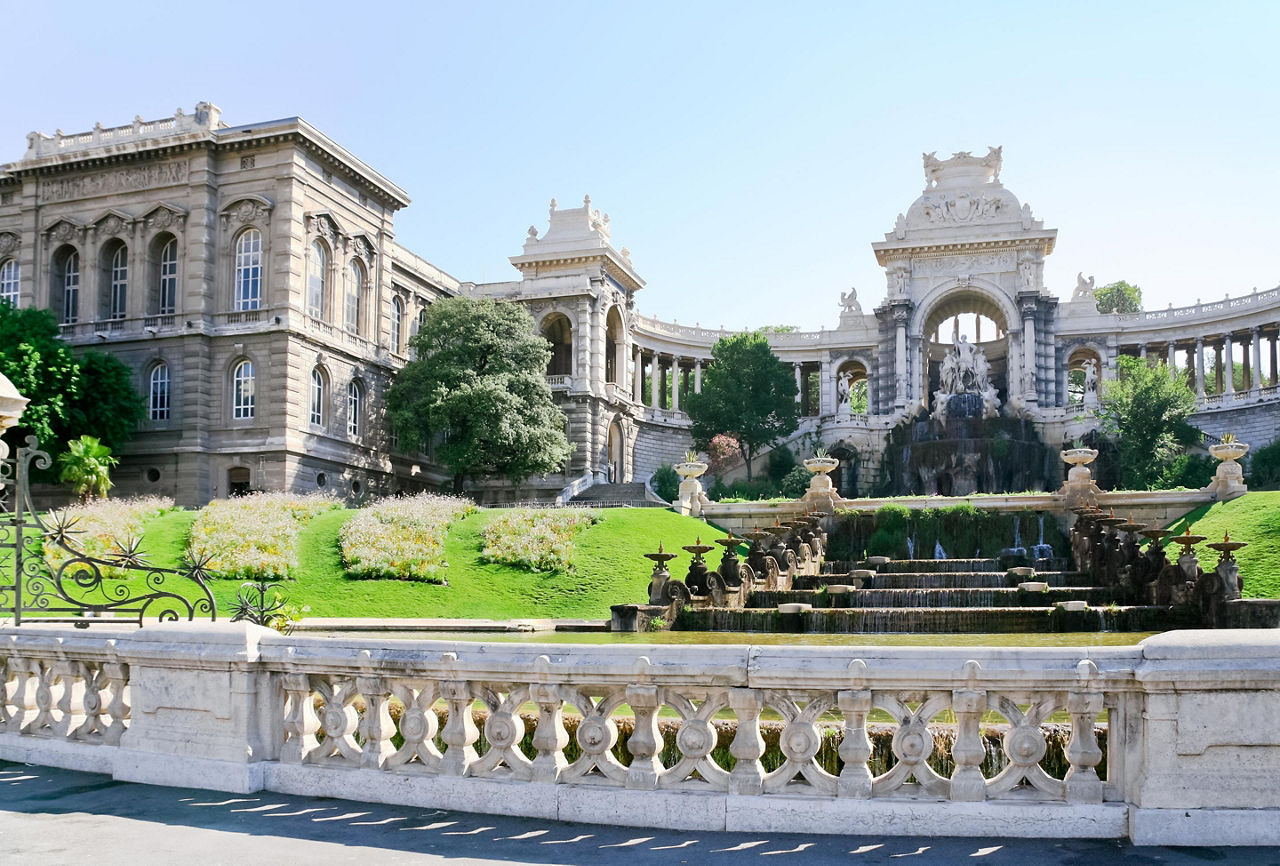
(78, 590)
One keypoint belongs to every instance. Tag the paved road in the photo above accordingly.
(61, 817)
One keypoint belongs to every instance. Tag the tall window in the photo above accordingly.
(317, 398)
(355, 408)
(317, 268)
(242, 390)
(351, 292)
(10, 277)
(71, 288)
(397, 325)
(119, 282)
(158, 393)
(168, 278)
(248, 276)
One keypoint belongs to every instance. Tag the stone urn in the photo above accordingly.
(12, 405)
(821, 494)
(1079, 487)
(692, 498)
(690, 468)
(1228, 480)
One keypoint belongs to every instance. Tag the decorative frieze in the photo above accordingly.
(147, 175)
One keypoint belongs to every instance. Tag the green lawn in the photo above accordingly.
(1253, 518)
(609, 568)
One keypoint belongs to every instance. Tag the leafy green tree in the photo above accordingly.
(747, 393)
(70, 396)
(1118, 297)
(107, 404)
(478, 384)
(1146, 410)
(86, 465)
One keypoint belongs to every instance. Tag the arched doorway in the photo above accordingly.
(1084, 370)
(615, 454)
(851, 388)
(967, 315)
(615, 359)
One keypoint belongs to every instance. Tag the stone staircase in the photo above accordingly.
(940, 596)
(632, 495)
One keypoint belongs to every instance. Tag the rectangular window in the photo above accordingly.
(169, 279)
(248, 276)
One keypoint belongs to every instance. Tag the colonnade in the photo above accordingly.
(686, 371)
(1260, 364)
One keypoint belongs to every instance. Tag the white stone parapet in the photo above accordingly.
(205, 119)
(1190, 757)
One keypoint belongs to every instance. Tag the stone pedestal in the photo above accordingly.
(1228, 481)
(1079, 488)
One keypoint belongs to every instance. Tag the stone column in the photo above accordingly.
(1200, 368)
(826, 392)
(1013, 372)
(637, 375)
(697, 375)
(1029, 352)
(1255, 380)
(1217, 368)
(900, 316)
(1274, 378)
(675, 384)
(1228, 369)
(1142, 351)
(799, 383)
(1171, 362)
(653, 381)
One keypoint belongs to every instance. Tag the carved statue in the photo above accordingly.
(1026, 216)
(844, 384)
(1090, 376)
(965, 370)
(994, 161)
(849, 301)
(900, 281)
(1084, 288)
(1028, 272)
(900, 227)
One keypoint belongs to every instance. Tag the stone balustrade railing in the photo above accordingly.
(1190, 755)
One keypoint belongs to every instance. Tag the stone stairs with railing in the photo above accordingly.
(940, 596)
(632, 495)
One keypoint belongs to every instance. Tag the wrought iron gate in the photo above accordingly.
(77, 590)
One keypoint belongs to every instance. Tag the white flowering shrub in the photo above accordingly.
(254, 537)
(540, 539)
(105, 529)
(401, 538)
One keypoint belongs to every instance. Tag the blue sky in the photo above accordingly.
(748, 153)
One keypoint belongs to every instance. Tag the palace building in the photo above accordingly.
(251, 278)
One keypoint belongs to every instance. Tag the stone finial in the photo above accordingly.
(553, 205)
(533, 233)
(586, 202)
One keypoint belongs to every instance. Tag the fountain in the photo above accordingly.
(662, 589)
(731, 569)
(1041, 550)
(938, 552)
(1222, 585)
(699, 578)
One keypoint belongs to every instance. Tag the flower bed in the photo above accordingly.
(105, 529)
(254, 537)
(537, 539)
(401, 539)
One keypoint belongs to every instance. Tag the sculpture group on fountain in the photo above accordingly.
(965, 371)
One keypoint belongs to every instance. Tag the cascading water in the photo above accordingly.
(1042, 550)
(938, 552)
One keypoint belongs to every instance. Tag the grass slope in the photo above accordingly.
(609, 568)
(1253, 518)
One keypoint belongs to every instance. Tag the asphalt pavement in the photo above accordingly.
(50, 816)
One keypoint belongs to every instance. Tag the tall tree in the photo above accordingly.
(479, 382)
(747, 393)
(70, 396)
(1118, 297)
(1146, 410)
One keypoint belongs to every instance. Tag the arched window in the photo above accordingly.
(10, 278)
(167, 288)
(248, 275)
(118, 283)
(352, 282)
(397, 325)
(242, 383)
(70, 285)
(355, 409)
(158, 393)
(317, 398)
(557, 331)
(317, 271)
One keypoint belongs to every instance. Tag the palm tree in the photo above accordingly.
(86, 466)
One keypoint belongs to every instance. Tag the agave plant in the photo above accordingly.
(1228, 438)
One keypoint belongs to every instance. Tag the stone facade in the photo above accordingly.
(187, 247)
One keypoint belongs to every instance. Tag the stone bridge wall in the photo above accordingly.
(1191, 755)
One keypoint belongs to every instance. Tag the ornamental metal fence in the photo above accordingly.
(82, 587)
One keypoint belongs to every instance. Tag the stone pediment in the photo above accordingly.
(9, 243)
(113, 222)
(64, 230)
(247, 209)
(166, 216)
(326, 225)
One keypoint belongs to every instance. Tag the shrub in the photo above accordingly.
(401, 538)
(105, 529)
(722, 453)
(537, 539)
(744, 490)
(1264, 466)
(254, 537)
(666, 483)
(781, 462)
(796, 482)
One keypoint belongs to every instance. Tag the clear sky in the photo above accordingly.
(748, 153)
